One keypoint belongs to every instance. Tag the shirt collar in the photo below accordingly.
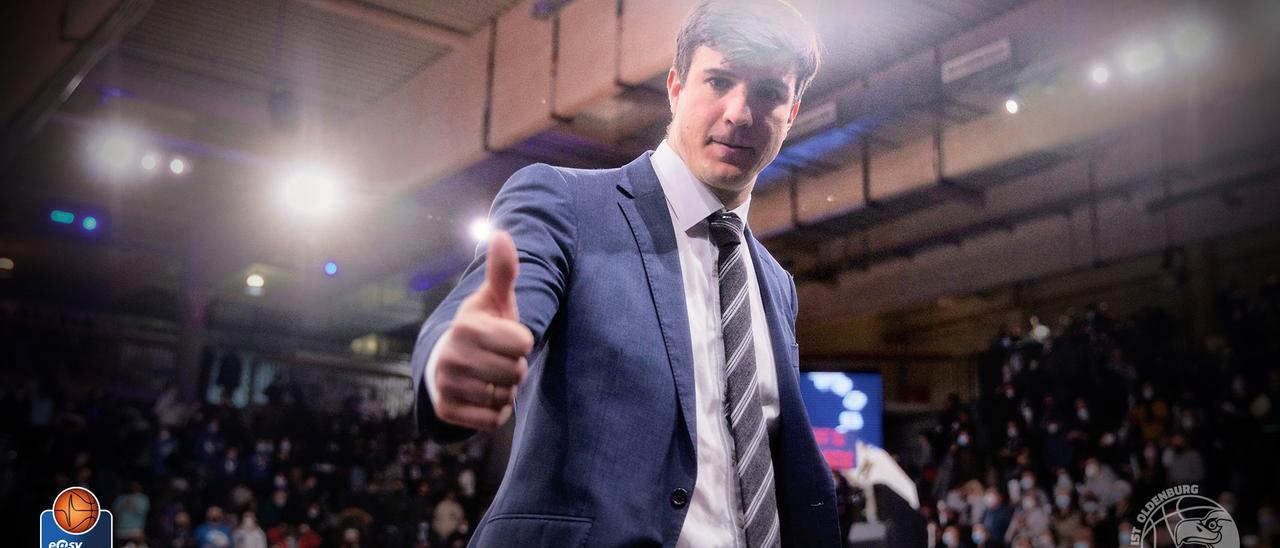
(689, 199)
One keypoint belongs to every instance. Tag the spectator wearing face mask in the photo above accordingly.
(1066, 521)
(213, 533)
(981, 537)
(997, 518)
(1099, 480)
(1151, 415)
(1185, 465)
(248, 534)
(1030, 521)
(130, 512)
(1055, 448)
(961, 463)
(447, 516)
(950, 537)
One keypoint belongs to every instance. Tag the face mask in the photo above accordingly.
(1091, 470)
(1062, 501)
(978, 538)
(1148, 393)
(1052, 428)
(1064, 480)
(951, 539)
(1083, 414)
(990, 500)
(962, 441)
(1012, 433)
(1026, 482)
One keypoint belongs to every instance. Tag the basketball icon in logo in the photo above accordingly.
(76, 510)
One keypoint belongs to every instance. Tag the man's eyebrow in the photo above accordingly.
(717, 71)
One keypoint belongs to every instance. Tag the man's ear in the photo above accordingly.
(673, 89)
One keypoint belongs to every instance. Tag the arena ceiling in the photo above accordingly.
(240, 89)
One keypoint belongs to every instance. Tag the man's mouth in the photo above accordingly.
(731, 145)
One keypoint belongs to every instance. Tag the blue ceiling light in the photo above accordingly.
(331, 268)
(62, 217)
(90, 224)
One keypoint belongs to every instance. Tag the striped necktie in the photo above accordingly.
(742, 407)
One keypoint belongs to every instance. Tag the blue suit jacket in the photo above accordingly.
(605, 421)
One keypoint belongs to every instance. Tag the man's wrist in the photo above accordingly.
(429, 374)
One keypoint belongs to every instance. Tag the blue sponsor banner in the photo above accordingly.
(98, 536)
(844, 408)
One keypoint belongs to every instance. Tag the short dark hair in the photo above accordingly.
(764, 30)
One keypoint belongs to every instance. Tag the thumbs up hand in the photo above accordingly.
(482, 354)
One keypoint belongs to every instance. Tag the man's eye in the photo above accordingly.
(719, 83)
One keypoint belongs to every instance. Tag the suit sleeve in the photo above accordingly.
(537, 207)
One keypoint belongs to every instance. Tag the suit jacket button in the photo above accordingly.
(680, 497)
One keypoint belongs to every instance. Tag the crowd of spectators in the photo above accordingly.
(1078, 425)
(177, 475)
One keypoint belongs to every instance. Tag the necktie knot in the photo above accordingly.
(726, 229)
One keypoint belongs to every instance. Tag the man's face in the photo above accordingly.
(729, 120)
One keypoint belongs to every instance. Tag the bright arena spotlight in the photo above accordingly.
(312, 191)
(480, 229)
(1099, 73)
(254, 285)
(116, 150)
(177, 166)
(1012, 105)
(150, 160)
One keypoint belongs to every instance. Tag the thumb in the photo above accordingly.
(501, 268)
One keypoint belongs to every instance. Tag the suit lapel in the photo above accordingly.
(773, 298)
(795, 454)
(645, 208)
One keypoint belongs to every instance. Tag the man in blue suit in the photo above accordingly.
(643, 338)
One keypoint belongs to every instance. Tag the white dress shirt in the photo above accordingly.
(715, 509)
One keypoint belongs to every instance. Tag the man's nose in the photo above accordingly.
(737, 110)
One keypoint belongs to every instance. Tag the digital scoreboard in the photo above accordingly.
(844, 408)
